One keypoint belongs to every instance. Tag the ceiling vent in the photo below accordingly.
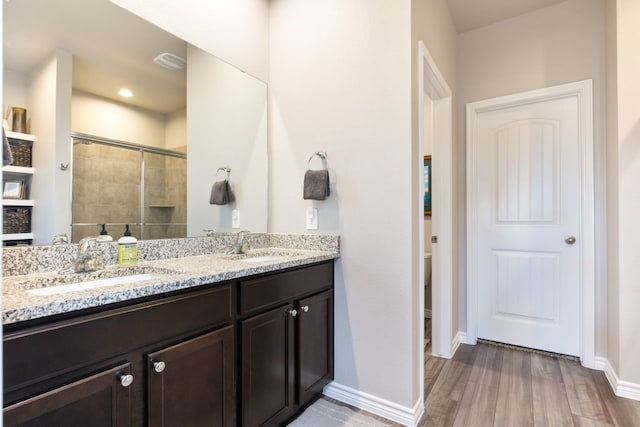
(170, 61)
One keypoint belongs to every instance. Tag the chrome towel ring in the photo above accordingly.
(322, 155)
(226, 170)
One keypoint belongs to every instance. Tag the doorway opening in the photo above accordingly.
(435, 126)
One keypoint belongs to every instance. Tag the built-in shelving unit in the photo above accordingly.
(17, 236)
(17, 170)
(22, 136)
(24, 173)
(17, 202)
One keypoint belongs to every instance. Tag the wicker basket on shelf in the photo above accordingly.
(21, 152)
(16, 219)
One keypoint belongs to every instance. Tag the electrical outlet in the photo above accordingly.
(312, 218)
(235, 218)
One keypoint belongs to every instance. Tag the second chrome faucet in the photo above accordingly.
(88, 258)
(240, 246)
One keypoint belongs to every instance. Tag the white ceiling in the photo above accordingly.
(111, 49)
(471, 14)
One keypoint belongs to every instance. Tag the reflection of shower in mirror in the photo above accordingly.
(115, 183)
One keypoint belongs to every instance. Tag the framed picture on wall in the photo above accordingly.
(13, 189)
(427, 185)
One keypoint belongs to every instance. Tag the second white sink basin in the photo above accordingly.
(91, 284)
(263, 258)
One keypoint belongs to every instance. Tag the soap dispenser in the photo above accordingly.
(104, 236)
(127, 249)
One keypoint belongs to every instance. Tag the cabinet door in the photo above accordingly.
(193, 383)
(315, 345)
(267, 367)
(103, 399)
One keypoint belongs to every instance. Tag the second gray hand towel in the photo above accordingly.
(316, 184)
(221, 193)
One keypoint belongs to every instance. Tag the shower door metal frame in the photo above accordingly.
(143, 149)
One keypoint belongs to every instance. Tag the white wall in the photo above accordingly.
(613, 292)
(432, 23)
(340, 82)
(106, 118)
(558, 44)
(234, 30)
(624, 175)
(49, 106)
(14, 89)
(175, 133)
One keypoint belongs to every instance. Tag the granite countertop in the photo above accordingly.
(167, 275)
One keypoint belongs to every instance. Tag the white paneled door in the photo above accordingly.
(528, 225)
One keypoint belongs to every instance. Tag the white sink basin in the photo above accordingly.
(264, 258)
(91, 284)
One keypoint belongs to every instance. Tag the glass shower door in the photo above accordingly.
(105, 189)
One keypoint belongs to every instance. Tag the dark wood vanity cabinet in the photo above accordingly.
(102, 368)
(252, 352)
(287, 343)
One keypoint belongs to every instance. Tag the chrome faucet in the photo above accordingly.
(240, 246)
(60, 239)
(88, 258)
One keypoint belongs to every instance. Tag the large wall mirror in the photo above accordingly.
(148, 160)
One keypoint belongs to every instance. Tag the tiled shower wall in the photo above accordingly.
(165, 197)
(106, 188)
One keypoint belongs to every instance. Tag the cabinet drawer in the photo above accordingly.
(44, 352)
(265, 292)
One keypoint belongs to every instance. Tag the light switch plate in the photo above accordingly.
(312, 218)
(235, 218)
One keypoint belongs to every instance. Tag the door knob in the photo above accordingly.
(126, 380)
(292, 313)
(305, 308)
(570, 240)
(159, 366)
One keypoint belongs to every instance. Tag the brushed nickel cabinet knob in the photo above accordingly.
(159, 366)
(126, 380)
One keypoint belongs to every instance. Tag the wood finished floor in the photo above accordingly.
(489, 385)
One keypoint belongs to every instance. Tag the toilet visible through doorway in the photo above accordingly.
(427, 285)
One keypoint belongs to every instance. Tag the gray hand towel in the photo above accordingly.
(221, 193)
(316, 184)
(7, 157)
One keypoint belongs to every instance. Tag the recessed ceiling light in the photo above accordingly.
(170, 61)
(126, 93)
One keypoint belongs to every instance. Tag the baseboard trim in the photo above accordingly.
(455, 343)
(381, 407)
(464, 338)
(621, 388)
(601, 363)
